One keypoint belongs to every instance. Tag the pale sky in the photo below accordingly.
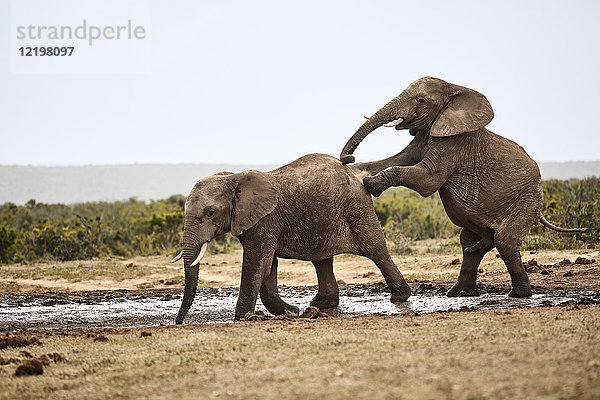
(264, 82)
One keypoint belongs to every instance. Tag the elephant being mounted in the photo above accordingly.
(310, 209)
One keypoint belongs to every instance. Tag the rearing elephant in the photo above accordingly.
(488, 184)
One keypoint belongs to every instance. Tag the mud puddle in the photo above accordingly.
(123, 308)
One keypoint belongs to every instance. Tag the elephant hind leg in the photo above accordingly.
(328, 295)
(269, 293)
(475, 247)
(508, 241)
(370, 243)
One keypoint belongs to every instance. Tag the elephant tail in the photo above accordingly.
(547, 224)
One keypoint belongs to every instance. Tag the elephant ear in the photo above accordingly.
(466, 111)
(254, 198)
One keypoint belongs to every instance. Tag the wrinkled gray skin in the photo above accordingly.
(310, 209)
(488, 184)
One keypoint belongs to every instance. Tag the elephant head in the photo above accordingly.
(428, 104)
(216, 205)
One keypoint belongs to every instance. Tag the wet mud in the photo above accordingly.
(156, 307)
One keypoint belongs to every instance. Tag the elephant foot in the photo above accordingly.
(463, 290)
(375, 184)
(400, 294)
(520, 291)
(325, 301)
(281, 308)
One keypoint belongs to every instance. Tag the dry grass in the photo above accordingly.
(76, 271)
(434, 260)
(549, 353)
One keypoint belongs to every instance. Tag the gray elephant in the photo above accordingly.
(488, 184)
(310, 209)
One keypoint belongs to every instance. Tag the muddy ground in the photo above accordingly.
(557, 277)
(119, 341)
(158, 307)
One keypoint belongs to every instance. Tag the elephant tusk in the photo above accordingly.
(394, 123)
(202, 252)
(177, 257)
(366, 117)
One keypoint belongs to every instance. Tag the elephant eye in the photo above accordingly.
(420, 100)
(210, 212)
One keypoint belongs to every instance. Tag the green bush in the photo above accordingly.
(415, 217)
(569, 204)
(39, 231)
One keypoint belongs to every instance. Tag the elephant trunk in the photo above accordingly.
(191, 283)
(192, 253)
(386, 114)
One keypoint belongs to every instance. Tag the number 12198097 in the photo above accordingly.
(46, 51)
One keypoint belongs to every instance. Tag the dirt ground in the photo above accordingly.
(545, 353)
(432, 260)
(524, 353)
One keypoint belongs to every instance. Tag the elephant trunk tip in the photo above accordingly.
(347, 158)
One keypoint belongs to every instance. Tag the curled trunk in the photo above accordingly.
(386, 114)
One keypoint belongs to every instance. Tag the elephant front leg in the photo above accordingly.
(269, 294)
(328, 295)
(255, 265)
(420, 177)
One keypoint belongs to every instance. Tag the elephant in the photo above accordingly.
(489, 186)
(311, 209)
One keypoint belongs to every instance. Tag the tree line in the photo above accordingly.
(38, 231)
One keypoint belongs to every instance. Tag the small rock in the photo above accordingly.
(339, 373)
(145, 334)
(545, 271)
(255, 316)
(33, 367)
(6, 361)
(532, 252)
(17, 341)
(564, 262)
(290, 314)
(456, 261)
(57, 357)
(130, 265)
(44, 359)
(591, 246)
(584, 261)
(311, 312)
(568, 273)
(101, 338)
(531, 265)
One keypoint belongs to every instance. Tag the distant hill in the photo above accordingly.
(68, 185)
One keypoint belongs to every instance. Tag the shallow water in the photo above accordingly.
(211, 305)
